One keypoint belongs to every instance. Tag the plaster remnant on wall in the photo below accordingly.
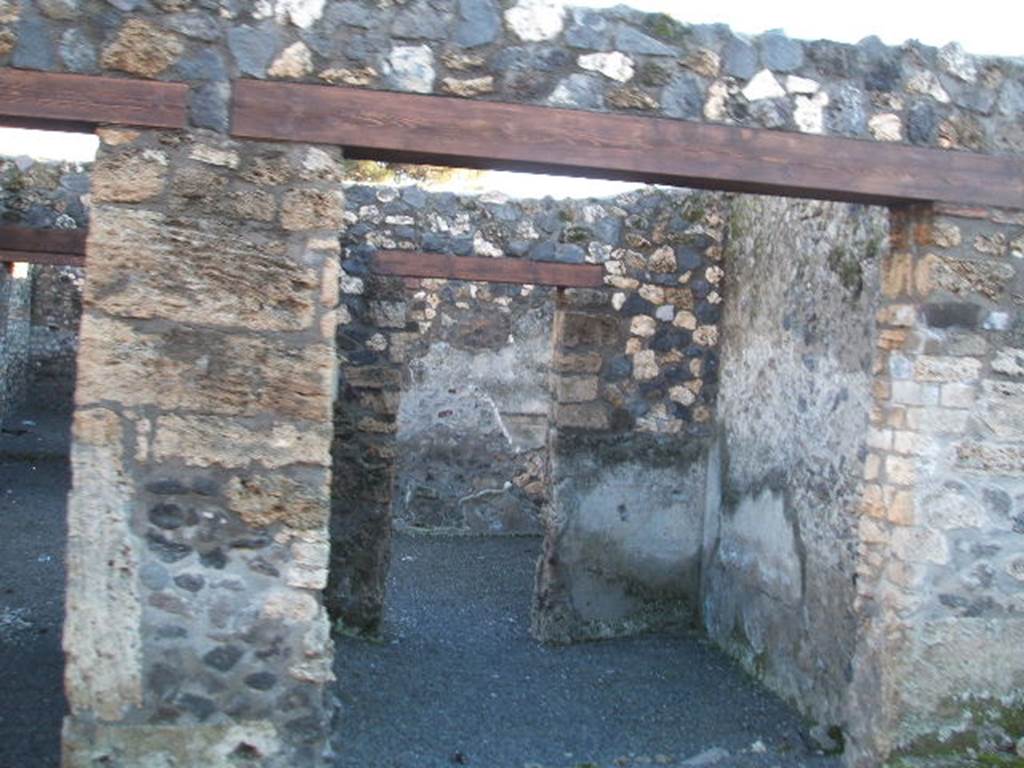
(104, 669)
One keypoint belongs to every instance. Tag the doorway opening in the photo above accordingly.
(472, 417)
(44, 185)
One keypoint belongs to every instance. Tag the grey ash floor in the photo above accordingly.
(34, 480)
(458, 680)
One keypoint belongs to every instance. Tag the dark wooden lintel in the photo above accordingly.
(39, 257)
(500, 270)
(65, 247)
(463, 132)
(69, 241)
(59, 101)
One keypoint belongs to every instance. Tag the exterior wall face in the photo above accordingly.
(198, 520)
(781, 537)
(615, 60)
(15, 297)
(939, 577)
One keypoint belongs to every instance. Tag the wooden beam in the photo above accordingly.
(38, 257)
(49, 99)
(503, 270)
(54, 241)
(452, 131)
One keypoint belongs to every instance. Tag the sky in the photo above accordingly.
(992, 27)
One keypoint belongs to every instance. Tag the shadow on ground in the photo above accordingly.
(458, 681)
(34, 481)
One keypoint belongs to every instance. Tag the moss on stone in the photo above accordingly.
(847, 267)
(664, 26)
(971, 747)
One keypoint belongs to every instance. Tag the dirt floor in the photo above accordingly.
(34, 481)
(458, 681)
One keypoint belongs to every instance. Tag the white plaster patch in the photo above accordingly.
(758, 543)
(763, 85)
(615, 65)
(301, 13)
(804, 85)
(809, 113)
(536, 20)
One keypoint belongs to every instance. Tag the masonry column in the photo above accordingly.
(941, 575)
(634, 385)
(197, 548)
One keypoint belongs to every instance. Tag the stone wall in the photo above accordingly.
(939, 582)
(934, 647)
(476, 400)
(785, 478)
(49, 195)
(56, 317)
(533, 51)
(197, 547)
(15, 298)
(636, 358)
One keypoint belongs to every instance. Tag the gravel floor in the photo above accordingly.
(34, 481)
(458, 681)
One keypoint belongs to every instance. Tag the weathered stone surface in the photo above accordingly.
(295, 61)
(583, 91)
(210, 745)
(222, 276)
(252, 48)
(410, 68)
(205, 441)
(479, 23)
(683, 97)
(186, 369)
(468, 87)
(779, 53)
(142, 49)
(305, 209)
(77, 52)
(132, 178)
(103, 674)
(263, 500)
(419, 21)
(779, 544)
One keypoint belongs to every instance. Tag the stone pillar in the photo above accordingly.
(15, 309)
(635, 372)
(371, 321)
(941, 574)
(197, 549)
